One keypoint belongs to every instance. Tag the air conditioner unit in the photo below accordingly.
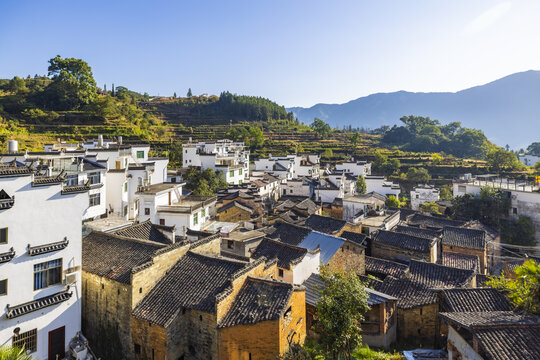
(70, 279)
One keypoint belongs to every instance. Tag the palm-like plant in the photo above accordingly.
(13, 353)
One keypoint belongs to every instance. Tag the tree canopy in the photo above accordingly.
(503, 160)
(361, 186)
(418, 175)
(251, 135)
(322, 129)
(383, 165)
(205, 183)
(488, 207)
(534, 149)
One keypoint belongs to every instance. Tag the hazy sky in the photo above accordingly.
(297, 53)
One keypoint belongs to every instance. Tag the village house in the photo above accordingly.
(40, 260)
(381, 268)
(290, 166)
(231, 158)
(118, 271)
(240, 243)
(234, 212)
(289, 233)
(402, 247)
(466, 241)
(436, 223)
(381, 185)
(357, 207)
(422, 194)
(382, 220)
(295, 264)
(301, 186)
(380, 322)
(354, 167)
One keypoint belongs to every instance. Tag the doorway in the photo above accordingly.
(57, 343)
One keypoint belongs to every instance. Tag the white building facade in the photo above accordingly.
(380, 185)
(423, 194)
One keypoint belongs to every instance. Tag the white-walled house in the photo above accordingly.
(163, 204)
(380, 185)
(290, 166)
(232, 158)
(358, 206)
(355, 168)
(423, 194)
(298, 187)
(326, 191)
(40, 261)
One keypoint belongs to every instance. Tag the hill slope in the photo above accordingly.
(507, 109)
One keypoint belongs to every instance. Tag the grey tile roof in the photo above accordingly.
(287, 255)
(113, 256)
(357, 238)
(408, 293)
(37, 304)
(289, 233)
(431, 222)
(382, 268)
(418, 232)
(239, 205)
(403, 241)
(193, 282)
(6, 201)
(460, 261)
(509, 343)
(307, 205)
(465, 238)
(258, 300)
(325, 224)
(470, 320)
(47, 248)
(145, 231)
(73, 189)
(7, 256)
(438, 276)
(6, 171)
(474, 300)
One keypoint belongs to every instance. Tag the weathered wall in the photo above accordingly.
(233, 214)
(239, 342)
(419, 323)
(482, 254)
(350, 256)
(293, 327)
(389, 252)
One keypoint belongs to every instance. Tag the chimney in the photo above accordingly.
(120, 140)
(100, 141)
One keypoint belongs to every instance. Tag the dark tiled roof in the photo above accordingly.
(403, 241)
(284, 205)
(307, 205)
(290, 234)
(325, 224)
(48, 180)
(38, 304)
(15, 170)
(358, 238)
(145, 231)
(474, 300)
(7, 256)
(258, 300)
(73, 189)
(236, 204)
(114, 256)
(47, 248)
(481, 280)
(286, 254)
(460, 261)
(471, 320)
(6, 201)
(418, 232)
(465, 238)
(193, 282)
(404, 212)
(438, 276)
(409, 293)
(509, 343)
(431, 222)
(378, 267)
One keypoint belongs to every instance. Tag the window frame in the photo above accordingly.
(72, 179)
(140, 154)
(4, 231)
(47, 271)
(196, 219)
(21, 340)
(92, 199)
(6, 287)
(94, 177)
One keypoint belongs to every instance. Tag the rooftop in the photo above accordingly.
(409, 293)
(157, 188)
(286, 255)
(460, 261)
(474, 300)
(418, 232)
(289, 233)
(245, 235)
(470, 320)
(325, 224)
(148, 231)
(438, 276)
(378, 267)
(509, 343)
(328, 244)
(464, 238)
(431, 222)
(403, 241)
(357, 238)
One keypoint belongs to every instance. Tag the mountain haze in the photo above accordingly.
(507, 109)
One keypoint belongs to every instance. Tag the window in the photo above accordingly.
(203, 213)
(3, 287)
(146, 211)
(291, 191)
(137, 348)
(94, 177)
(140, 154)
(514, 210)
(161, 221)
(28, 340)
(280, 272)
(230, 244)
(195, 219)
(125, 186)
(239, 171)
(239, 182)
(47, 274)
(3, 236)
(72, 179)
(231, 173)
(95, 199)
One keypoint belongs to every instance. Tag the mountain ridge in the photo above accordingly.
(491, 107)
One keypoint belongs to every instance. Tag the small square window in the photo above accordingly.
(280, 272)
(3, 236)
(230, 244)
(146, 211)
(140, 154)
(3, 287)
(161, 221)
(26, 340)
(137, 349)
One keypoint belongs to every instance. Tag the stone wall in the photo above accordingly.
(257, 341)
(293, 328)
(393, 253)
(350, 256)
(233, 214)
(419, 323)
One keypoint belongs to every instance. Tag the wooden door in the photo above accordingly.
(57, 343)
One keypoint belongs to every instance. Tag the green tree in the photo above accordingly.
(537, 168)
(361, 187)
(73, 84)
(340, 311)
(418, 175)
(204, 183)
(445, 193)
(436, 158)
(322, 129)
(328, 153)
(355, 139)
(189, 93)
(13, 353)
(520, 232)
(430, 207)
(534, 149)
(524, 290)
(393, 201)
(17, 85)
(489, 206)
(502, 160)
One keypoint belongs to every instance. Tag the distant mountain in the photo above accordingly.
(507, 110)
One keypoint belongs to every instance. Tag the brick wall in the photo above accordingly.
(350, 256)
(239, 342)
(482, 254)
(419, 323)
(233, 214)
(355, 228)
(293, 328)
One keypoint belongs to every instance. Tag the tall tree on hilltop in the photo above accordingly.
(189, 93)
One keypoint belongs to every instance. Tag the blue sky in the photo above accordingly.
(297, 53)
